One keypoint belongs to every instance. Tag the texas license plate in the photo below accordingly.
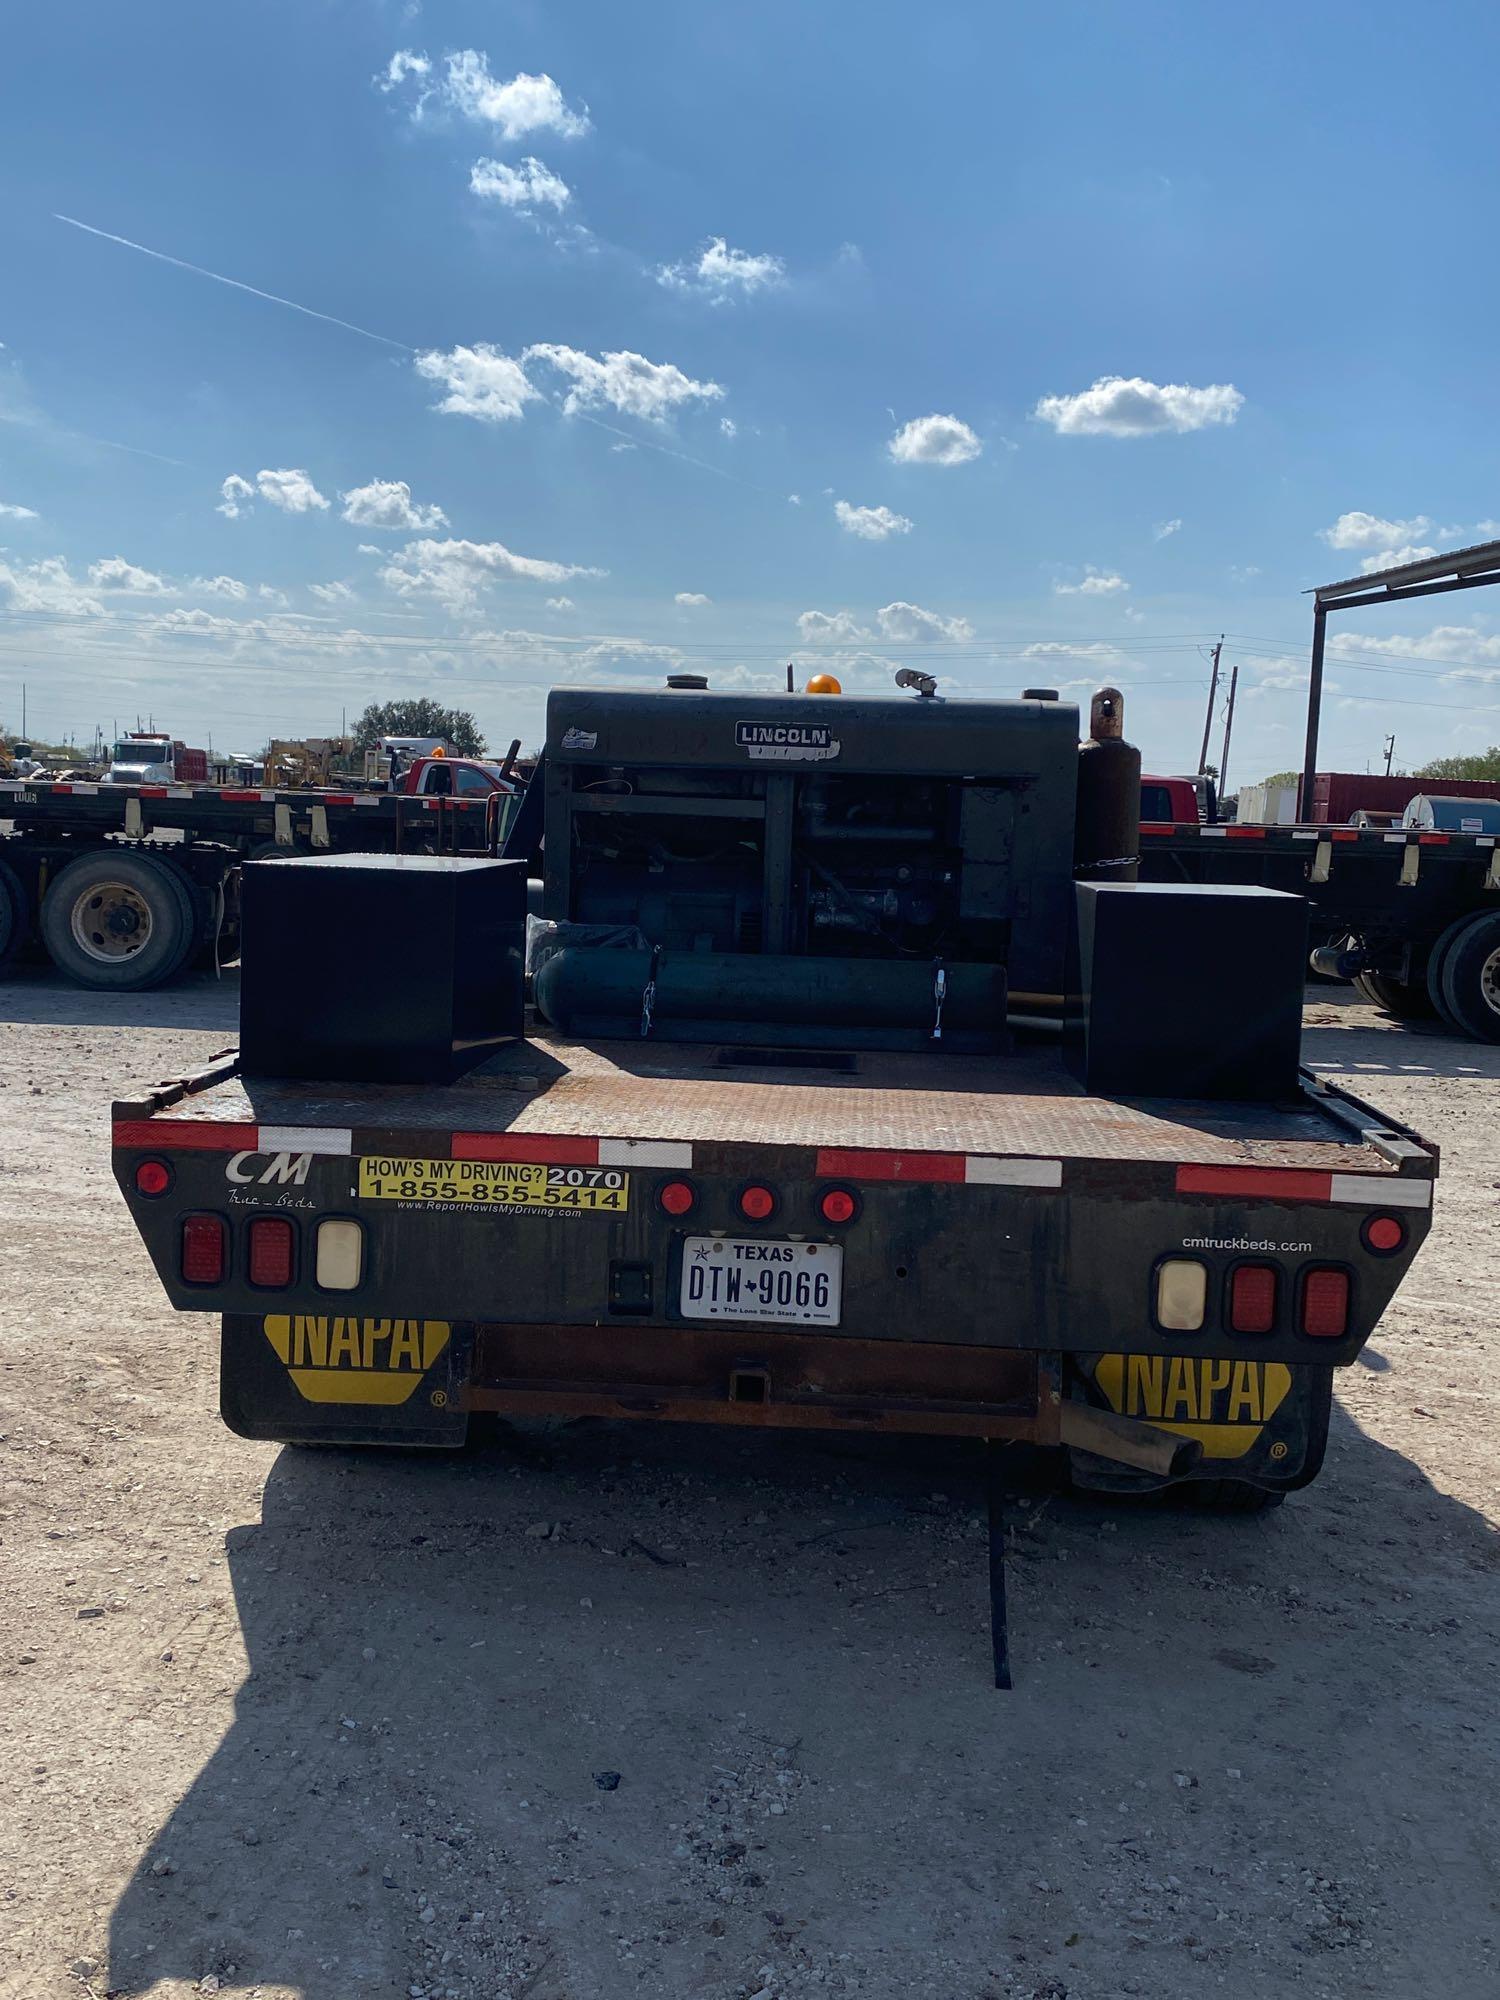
(749, 1277)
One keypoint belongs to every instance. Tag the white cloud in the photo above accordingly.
(1165, 528)
(404, 63)
(934, 441)
(272, 596)
(455, 572)
(290, 489)
(1096, 583)
(1461, 644)
(623, 381)
(523, 105)
(9, 512)
(1095, 650)
(830, 627)
(1393, 558)
(870, 524)
(794, 499)
(287, 487)
(530, 185)
(1358, 530)
(222, 586)
(690, 598)
(719, 273)
(1130, 406)
(386, 503)
(910, 622)
(47, 585)
(331, 593)
(726, 424)
(560, 604)
(480, 381)
(199, 624)
(114, 573)
(237, 493)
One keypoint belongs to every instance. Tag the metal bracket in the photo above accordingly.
(939, 995)
(283, 818)
(1492, 873)
(1411, 861)
(1322, 862)
(320, 827)
(135, 826)
(648, 993)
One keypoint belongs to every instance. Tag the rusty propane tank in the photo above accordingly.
(1107, 829)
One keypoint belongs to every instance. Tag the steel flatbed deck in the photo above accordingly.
(913, 1109)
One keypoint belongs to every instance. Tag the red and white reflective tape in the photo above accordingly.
(1306, 1184)
(857, 1163)
(565, 1151)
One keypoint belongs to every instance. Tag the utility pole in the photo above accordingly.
(1234, 681)
(1390, 751)
(1208, 720)
(24, 737)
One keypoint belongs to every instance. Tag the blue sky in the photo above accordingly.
(1030, 346)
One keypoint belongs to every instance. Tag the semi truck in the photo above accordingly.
(762, 1149)
(124, 885)
(145, 757)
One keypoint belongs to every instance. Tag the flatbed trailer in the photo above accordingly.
(123, 885)
(1413, 917)
(1162, 1289)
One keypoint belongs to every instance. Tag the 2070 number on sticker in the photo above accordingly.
(494, 1184)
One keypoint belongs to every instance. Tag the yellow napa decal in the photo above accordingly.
(333, 1360)
(1225, 1405)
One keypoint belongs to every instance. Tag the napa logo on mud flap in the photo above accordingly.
(335, 1360)
(1225, 1405)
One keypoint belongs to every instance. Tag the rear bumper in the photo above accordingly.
(417, 1383)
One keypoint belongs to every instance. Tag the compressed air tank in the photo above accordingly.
(1107, 826)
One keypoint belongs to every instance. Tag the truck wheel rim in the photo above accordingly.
(1489, 981)
(111, 922)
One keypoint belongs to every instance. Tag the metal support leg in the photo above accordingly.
(999, 1633)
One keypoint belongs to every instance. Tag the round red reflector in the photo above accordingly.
(677, 1198)
(757, 1203)
(838, 1205)
(1384, 1232)
(152, 1177)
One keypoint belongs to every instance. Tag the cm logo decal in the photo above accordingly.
(280, 1169)
(1224, 1404)
(335, 1360)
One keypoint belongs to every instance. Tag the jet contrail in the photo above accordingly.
(219, 279)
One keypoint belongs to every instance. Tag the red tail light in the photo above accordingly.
(271, 1245)
(677, 1197)
(203, 1250)
(1252, 1298)
(1325, 1304)
(1384, 1234)
(153, 1177)
(757, 1203)
(838, 1205)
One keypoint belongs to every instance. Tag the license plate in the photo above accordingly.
(749, 1277)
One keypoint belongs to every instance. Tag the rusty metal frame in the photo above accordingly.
(757, 1380)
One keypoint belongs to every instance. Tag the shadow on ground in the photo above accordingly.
(779, 1645)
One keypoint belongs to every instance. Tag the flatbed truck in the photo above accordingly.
(124, 885)
(809, 1190)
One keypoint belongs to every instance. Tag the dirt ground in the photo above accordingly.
(316, 1723)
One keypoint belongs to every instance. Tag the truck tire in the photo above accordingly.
(118, 922)
(1471, 978)
(1436, 959)
(1395, 997)
(15, 917)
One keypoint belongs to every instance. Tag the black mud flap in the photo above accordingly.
(322, 1379)
(1258, 1421)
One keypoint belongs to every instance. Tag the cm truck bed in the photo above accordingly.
(989, 1204)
